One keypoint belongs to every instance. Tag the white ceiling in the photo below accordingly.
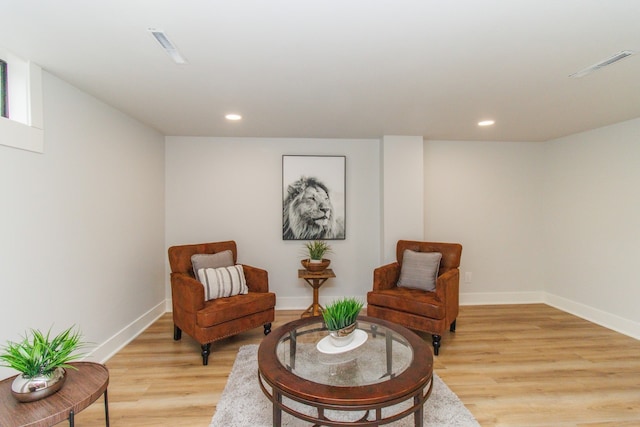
(343, 68)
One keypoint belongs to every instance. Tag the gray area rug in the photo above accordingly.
(243, 404)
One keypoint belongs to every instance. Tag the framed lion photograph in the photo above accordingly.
(313, 197)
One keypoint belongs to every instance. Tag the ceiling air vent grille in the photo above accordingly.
(167, 46)
(595, 67)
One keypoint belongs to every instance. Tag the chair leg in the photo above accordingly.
(267, 328)
(452, 327)
(436, 344)
(177, 333)
(206, 350)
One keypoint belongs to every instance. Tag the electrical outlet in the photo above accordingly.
(467, 277)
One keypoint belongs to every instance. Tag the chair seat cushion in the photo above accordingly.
(415, 301)
(223, 310)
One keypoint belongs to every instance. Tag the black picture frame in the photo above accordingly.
(314, 197)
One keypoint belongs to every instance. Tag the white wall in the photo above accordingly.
(402, 192)
(82, 224)
(488, 197)
(231, 189)
(554, 222)
(592, 224)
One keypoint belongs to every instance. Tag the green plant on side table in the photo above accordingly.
(42, 361)
(315, 251)
(340, 318)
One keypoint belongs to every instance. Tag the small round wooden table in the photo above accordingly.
(81, 389)
(319, 384)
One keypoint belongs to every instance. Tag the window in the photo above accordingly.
(3, 89)
(21, 118)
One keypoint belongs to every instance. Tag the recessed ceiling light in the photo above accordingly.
(233, 117)
(486, 123)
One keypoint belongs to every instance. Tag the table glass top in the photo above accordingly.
(308, 353)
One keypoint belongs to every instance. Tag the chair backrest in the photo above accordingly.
(451, 252)
(180, 256)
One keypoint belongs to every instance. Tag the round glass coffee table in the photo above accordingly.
(383, 376)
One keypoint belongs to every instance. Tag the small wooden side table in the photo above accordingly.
(315, 280)
(81, 389)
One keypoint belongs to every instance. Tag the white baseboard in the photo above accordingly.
(597, 316)
(489, 298)
(110, 347)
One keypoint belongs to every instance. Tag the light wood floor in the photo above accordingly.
(512, 365)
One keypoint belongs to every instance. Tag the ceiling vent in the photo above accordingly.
(167, 46)
(595, 67)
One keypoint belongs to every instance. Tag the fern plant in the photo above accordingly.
(41, 355)
(341, 313)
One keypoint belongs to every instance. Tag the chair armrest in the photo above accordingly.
(448, 290)
(257, 278)
(187, 292)
(447, 283)
(386, 277)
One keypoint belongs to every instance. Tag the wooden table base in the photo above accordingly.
(315, 280)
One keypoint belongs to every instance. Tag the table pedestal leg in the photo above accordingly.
(277, 411)
(419, 414)
(315, 309)
(106, 408)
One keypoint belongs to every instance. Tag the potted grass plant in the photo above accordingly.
(41, 361)
(340, 319)
(315, 252)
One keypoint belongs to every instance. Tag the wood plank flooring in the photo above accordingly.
(512, 365)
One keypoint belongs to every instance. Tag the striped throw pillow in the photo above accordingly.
(223, 282)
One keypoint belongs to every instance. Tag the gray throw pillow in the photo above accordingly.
(217, 260)
(419, 270)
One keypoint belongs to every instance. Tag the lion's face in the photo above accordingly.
(313, 207)
(308, 211)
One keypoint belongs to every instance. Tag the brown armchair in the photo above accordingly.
(431, 312)
(208, 321)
